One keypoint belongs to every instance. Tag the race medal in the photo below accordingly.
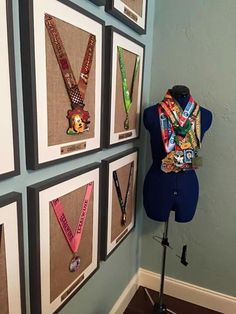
(185, 145)
(126, 123)
(127, 94)
(78, 118)
(74, 264)
(78, 121)
(188, 156)
(123, 219)
(123, 203)
(179, 158)
(73, 238)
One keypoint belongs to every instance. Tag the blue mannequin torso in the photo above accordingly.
(162, 191)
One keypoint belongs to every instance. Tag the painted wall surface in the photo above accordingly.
(102, 290)
(194, 44)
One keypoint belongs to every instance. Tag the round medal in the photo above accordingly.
(74, 264)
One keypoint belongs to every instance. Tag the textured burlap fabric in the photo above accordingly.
(60, 252)
(3, 275)
(120, 115)
(135, 5)
(75, 42)
(116, 227)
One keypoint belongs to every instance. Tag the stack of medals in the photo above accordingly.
(123, 203)
(77, 116)
(73, 240)
(127, 95)
(180, 133)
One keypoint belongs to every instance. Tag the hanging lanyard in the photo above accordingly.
(76, 91)
(73, 239)
(127, 95)
(123, 204)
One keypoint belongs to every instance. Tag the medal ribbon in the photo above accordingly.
(174, 120)
(123, 204)
(73, 239)
(75, 91)
(127, 96)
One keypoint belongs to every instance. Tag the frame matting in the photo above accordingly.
(12, 293)
(115, 131)
(113, 232)
(9, 152)
(131, 12)
(51, 282)
(46, 101)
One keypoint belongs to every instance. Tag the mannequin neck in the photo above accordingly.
(182, 100)
(181, 94)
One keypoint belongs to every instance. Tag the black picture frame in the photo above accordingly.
(9, 164)
(39, 223)
(127, 15)
(12, 223)
(39, 151)
(99, 2)
(113, 137)
(110, 241)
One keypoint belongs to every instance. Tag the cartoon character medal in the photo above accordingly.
(78, 117)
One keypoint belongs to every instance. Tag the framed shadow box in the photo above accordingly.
(118, 200)
(9, 150)
(12, 293)
(131, 12)
(62, 60)
(64, 222)
(124, 79)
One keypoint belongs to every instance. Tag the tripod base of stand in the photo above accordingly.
(160, 309)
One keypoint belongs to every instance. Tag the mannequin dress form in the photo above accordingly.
(166, 192)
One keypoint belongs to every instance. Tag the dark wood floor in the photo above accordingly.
(140, 304)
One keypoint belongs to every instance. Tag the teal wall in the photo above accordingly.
(103, 289)
(195, 44)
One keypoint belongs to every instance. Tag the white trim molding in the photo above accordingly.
(179, 289)
(188, 292)
(126, 296)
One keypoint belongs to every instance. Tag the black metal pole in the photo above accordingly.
(159, 307)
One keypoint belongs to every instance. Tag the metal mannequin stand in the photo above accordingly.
(160, 307)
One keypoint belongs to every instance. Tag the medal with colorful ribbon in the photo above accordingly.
(180, 131)
(78, 117)
(73, 239)
(123, 203)
(127, 95)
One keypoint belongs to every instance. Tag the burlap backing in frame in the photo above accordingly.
(3, 275)
(116, 227)
(60, 253)
(58, 103)
(135, 5)
(120, 115)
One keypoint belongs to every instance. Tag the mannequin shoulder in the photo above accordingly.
(206, 117)
(150, 115)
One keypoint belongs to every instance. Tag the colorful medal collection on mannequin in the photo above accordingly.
(73, 239)
(78, 117)
(123, 202)
(127, 95)
(181, 133)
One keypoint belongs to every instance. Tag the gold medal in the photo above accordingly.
(185, 145)
(123, 219)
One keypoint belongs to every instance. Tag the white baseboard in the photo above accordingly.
(182, 290)
(126, 296)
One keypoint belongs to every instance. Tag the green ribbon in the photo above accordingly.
(127, 96)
